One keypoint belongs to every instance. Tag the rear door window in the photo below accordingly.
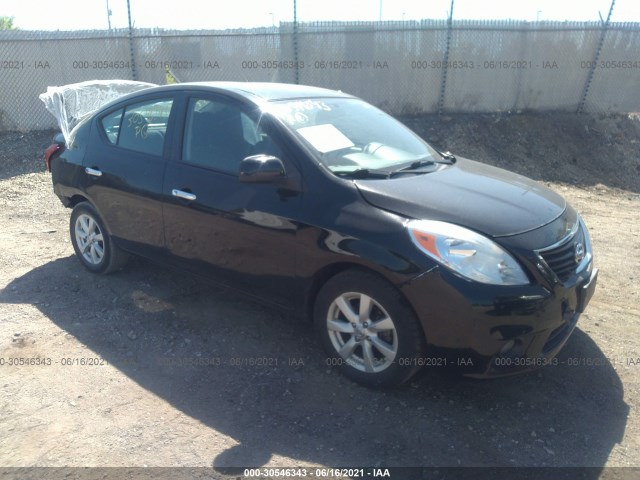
(140, 127)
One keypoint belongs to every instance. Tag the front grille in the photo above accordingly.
(562, 259)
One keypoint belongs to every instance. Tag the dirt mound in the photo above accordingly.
(23, 152)
(582, 150)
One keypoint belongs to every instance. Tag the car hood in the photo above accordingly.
(487, 199)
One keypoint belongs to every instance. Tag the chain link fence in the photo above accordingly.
(406, 67)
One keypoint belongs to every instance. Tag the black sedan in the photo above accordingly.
(311, 199)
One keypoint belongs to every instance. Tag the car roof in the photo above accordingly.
(266, 91)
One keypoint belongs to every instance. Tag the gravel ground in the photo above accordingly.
(150, 367)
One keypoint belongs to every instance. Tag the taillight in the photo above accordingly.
(50, 152)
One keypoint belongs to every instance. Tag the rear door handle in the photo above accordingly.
(93, 171)
(182, 194)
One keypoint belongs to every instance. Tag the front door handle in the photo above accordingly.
(184, 195)
(93, 171)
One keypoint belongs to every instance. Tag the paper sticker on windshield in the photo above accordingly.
(325, 138)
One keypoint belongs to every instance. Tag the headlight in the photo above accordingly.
(466, 252)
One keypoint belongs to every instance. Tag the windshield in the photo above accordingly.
(349, 135)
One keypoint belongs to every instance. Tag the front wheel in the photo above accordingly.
(91, 241)
(368, 329)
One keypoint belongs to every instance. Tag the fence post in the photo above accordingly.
(596, 57)
(295, 43)
(443, 80)
(134, 71)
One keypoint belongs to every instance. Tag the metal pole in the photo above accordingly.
(295, 42)
(596, 58)
(134, 72)
(443, 80)
(108, 15)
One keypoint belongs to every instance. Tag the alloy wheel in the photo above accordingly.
(89, 239)
(362, 332)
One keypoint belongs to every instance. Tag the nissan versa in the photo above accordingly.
(314, 200)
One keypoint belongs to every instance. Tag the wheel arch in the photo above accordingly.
(113, 258)
(326, 273)
(409, 339)
(77, 198)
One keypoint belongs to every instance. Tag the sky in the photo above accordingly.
(222, 14)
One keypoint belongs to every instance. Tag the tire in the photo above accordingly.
(368, 330)
(92, 243)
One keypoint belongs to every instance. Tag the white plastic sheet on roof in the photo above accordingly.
(70, 104)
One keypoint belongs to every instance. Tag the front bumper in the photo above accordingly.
(487, 330)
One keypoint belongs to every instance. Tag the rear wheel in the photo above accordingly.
(369, 331)
(93, 245)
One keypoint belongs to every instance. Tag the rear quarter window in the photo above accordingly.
(111, 125)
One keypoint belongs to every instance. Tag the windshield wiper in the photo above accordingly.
(423, 162)
(417, 164)
(413, 167)
(362, 173)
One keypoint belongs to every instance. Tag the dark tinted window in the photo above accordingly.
(219, 135)
(140, 127)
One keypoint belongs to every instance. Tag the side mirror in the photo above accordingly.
(261, 169)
